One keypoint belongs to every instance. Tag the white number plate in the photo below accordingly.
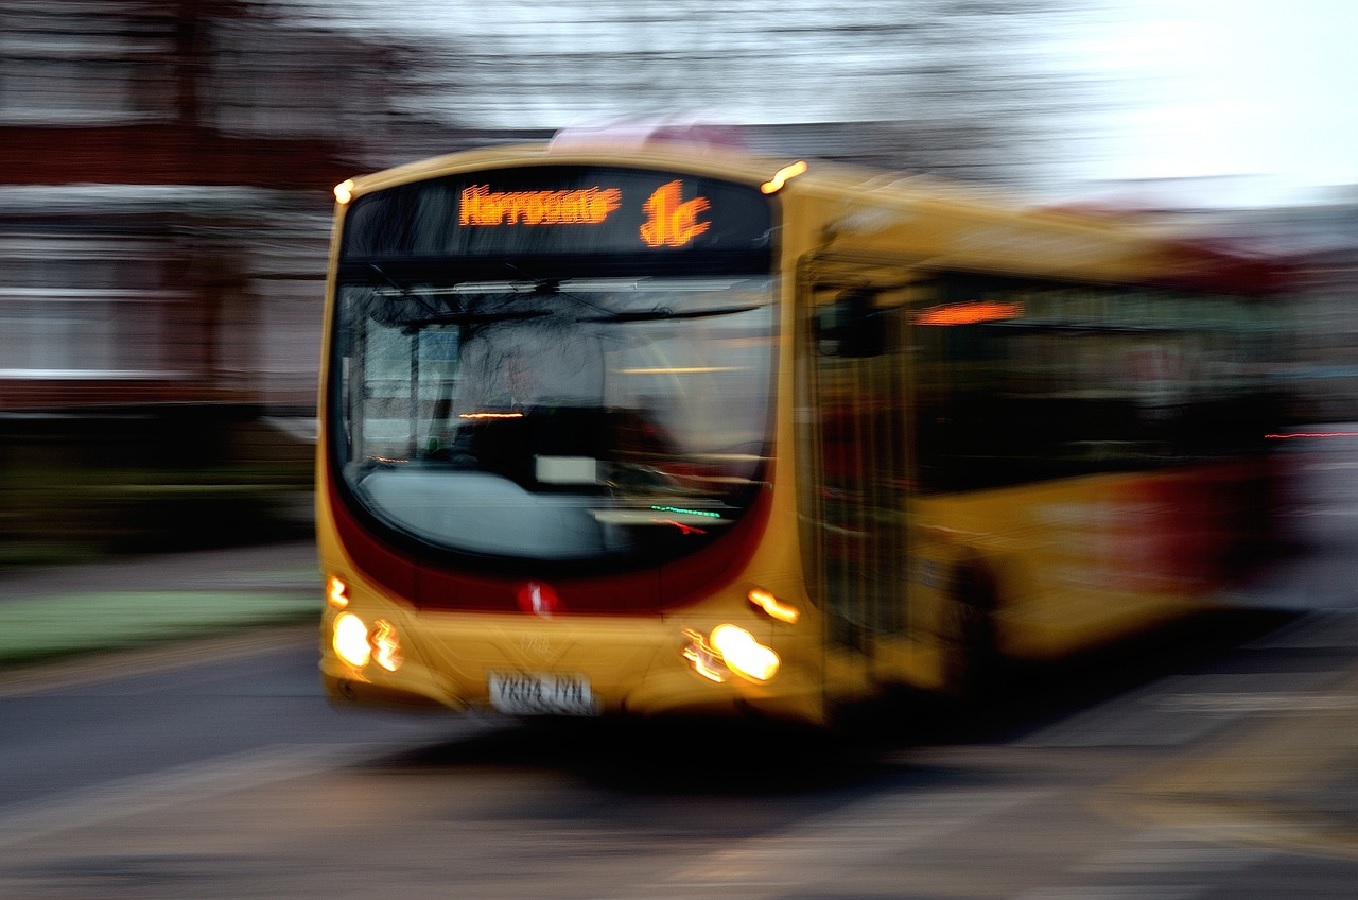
(518, 694)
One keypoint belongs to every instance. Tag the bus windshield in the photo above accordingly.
(570, 419)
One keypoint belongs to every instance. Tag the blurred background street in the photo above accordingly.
(165, 211)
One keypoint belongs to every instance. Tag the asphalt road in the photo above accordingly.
(1222, 774)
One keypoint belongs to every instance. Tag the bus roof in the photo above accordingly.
(879, 206)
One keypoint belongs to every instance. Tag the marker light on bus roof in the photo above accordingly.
(344, 191)
(783, 176)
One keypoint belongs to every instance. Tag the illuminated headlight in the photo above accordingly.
(743, 654)
(357, 644)
(350, 640)
(730, 649)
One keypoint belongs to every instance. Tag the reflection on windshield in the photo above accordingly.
(556, 419)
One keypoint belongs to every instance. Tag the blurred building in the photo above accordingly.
(1319, 242)
(165, 175)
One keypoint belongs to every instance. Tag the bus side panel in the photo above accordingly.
(1086, 561)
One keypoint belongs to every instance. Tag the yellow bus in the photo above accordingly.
(672, 429)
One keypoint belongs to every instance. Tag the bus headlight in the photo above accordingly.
(730, 649)
(350, 640)
(357, 644)
(743, 654)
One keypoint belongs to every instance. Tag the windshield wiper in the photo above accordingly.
(660, 313)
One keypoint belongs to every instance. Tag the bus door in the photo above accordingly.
(856, 440)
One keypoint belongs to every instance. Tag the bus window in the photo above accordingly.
(856, 510)
(557, 417)
(1020, 381)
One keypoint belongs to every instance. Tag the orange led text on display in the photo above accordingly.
(671, 222)
(971, 313)
(591, 206)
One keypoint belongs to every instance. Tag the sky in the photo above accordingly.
(1254, 100)
(1259, 94)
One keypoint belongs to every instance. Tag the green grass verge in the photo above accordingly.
(39, 628)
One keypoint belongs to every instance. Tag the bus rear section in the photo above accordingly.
(1019, 467)
(546, 481)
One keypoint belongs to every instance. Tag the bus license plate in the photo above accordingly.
(516, 693)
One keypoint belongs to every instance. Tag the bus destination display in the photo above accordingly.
(554, 211)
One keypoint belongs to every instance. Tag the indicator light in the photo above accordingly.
(336, 593)
(773, 607)
(704, 659)
(386, 645)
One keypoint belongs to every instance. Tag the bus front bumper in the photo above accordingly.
(594, 668)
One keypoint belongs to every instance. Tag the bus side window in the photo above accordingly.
(851, 327)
